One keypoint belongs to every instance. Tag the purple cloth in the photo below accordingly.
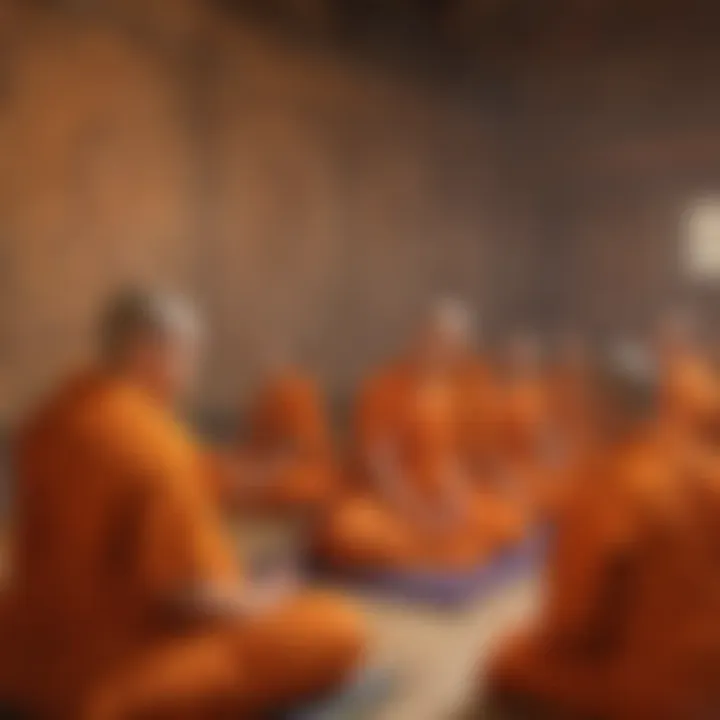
(447, 589)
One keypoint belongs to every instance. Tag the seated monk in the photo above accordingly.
(478, 397)
(417, 506)
(531, 453)
(125, 599)
(572, 408)
(480, 403)
(629, 590)
(690, 388)
(288, 455)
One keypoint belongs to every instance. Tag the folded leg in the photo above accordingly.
(264, 663)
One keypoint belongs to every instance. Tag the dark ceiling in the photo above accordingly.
(485, 34)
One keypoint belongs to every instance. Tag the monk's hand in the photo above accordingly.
(254, 598)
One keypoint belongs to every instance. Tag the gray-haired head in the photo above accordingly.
(151, 338)
(136, 315)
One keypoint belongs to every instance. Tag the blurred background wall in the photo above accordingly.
(311, 202)
(314, 171)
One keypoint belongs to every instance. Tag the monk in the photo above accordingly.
(571, 407)
(532, 454)
(690, 390)
(626, 632)
(417, 506)
(125, 598)
(479, 404)
(289, 458)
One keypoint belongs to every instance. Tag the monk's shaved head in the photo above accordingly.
(137, 315)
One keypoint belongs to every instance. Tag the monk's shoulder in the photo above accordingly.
(650, 482)
(127, 429)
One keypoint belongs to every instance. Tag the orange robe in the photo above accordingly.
(690, 394)
(480, 408)
(627, 629)
(114, 519)
(532, 453)
(479, 403)
(289, 437)
(574, 413)
(413, 419)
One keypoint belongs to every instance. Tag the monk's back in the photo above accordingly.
(289, 409)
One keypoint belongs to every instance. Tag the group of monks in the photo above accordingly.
(125, 597)
(448, 459)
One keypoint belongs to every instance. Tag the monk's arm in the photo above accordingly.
(208, 602)
(183, 561)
